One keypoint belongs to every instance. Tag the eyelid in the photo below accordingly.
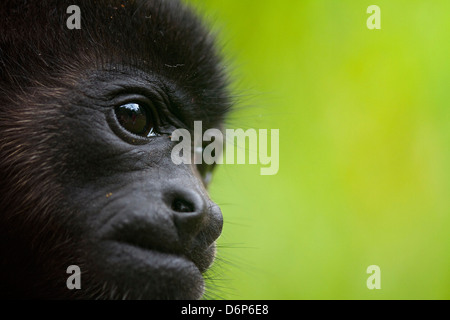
(159, 96)
(158, 101)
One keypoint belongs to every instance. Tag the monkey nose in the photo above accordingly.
(195, 216)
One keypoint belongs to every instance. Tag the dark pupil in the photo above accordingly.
(133, 117)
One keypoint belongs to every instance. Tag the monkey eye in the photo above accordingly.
(136, 118)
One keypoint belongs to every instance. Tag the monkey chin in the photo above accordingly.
(131, 272)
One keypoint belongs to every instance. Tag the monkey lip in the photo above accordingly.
(142, 239)
(201, 258)
(149, 252)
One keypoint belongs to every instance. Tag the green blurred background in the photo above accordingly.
(364, 175)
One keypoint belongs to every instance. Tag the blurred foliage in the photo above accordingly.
(364, 175)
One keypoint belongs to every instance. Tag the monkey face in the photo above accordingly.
(85, 122)
(147, 223)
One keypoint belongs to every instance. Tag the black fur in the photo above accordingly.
(70, 181)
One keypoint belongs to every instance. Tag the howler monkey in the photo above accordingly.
(86, 176)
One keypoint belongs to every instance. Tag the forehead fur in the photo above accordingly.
(157, 36)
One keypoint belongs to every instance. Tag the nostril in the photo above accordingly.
(184, 202)
(188, 211)
(182, 205)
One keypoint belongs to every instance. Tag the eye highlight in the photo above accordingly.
(136, 118)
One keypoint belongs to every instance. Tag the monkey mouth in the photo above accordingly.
(151, 258)
(141, 243)
(201, 259)
(144, 273)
